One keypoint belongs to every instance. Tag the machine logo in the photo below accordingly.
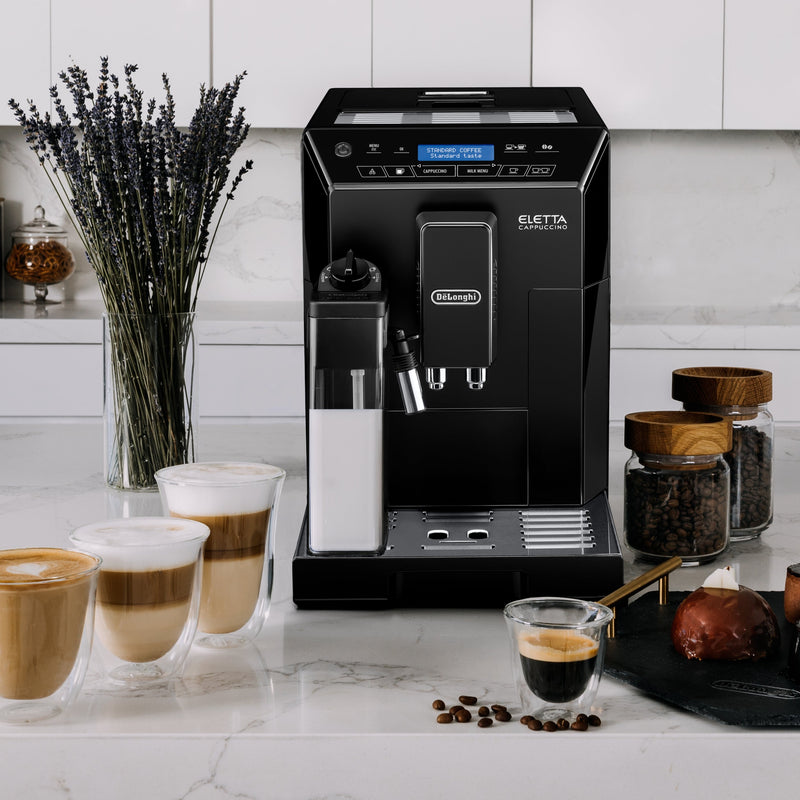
(542, 222)
(455, 297)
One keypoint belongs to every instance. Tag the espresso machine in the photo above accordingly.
(456, 288)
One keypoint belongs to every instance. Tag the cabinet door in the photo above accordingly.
(25, 57)
(762, 62)
(160, 37)
(292, 55)
(451, 43)
(643, 65)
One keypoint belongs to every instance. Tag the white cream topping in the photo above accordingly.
(721, 578)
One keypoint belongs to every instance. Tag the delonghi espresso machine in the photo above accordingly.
(456, 266)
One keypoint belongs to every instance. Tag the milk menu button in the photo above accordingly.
(465, 171)
(437, 171)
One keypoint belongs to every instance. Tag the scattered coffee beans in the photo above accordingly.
(483, 711)
(594, 720)
(444, 719)
(580, 725)
(534, 724)
(502, 716)
(455, 709)
(485, 722)
(525, 719)
(438, 705)
(468, 700)
(463, 715)
(549, 726)
(677, 512)
(497, 707)
(562, 724)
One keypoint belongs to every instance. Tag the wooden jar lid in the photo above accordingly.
(678, 433)
(722, 386)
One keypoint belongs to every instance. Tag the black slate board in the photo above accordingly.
(746, 693)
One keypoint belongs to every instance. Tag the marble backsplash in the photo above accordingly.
(704, 219)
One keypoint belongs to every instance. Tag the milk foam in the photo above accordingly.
(42, 564)
(218, 488)
(136, 544)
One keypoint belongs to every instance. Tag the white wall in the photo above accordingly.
(703, 219)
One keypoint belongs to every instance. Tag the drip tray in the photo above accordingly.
(478, 558)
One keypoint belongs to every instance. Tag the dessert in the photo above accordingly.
(725, 621)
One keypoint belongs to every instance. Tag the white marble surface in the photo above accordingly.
(335, 704)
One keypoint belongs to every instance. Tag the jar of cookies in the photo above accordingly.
(677, 485)
(39, 255)
(741, 395)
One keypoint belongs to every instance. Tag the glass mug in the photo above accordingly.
(148, 594)
(238, 501)
(557, 650)
(47, 599)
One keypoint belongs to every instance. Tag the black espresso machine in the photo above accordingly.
(458, 240)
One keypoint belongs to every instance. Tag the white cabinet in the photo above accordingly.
(293, 53)
(25, 57)
(643, 65)
(451, 43)
(762, 64)
(170, 37)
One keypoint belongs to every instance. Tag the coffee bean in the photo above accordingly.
(485, 722)
(438, 705)
(444, 719)
(525, 719)
(502, 716)
(549, 726)
(455, 709)
(498, 707)
(483, 711)
(535, 724)
(468, 700)
(562, 723)
(580, 725)
(463, 715)
(594, 720)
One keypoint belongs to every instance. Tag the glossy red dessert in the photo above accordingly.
(726, 625)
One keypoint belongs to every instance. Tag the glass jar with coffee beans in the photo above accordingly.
(741, 395)
(677, 485)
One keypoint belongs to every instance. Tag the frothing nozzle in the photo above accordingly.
(405, 364)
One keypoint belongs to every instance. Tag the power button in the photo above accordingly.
(343, 149)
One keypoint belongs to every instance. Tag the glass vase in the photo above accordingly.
(149, 408)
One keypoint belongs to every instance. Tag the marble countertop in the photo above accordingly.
(335, 704)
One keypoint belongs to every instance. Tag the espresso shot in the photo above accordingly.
(557, 665)
(557, 649)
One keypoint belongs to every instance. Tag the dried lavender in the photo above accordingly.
(143, 196)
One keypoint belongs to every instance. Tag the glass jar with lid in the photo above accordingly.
(677, 485)
(39, 255)
(741, 395)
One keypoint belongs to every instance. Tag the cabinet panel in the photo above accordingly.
(25, 57)
(161, 37)
(450, 43)
(292, 55)
(643, 65)
(761, 64)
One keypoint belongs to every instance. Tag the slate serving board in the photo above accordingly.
(747, 693)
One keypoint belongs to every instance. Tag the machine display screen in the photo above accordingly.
(455, 152)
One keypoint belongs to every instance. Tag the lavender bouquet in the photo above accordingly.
(143, 195)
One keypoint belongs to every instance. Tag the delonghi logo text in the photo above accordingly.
(542, 222)
(455, 297)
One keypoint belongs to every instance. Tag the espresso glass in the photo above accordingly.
(47, 599)
(557, 650)
(148, 594)
(239, 502)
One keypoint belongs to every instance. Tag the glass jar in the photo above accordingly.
(39, 255)
(741, 395)
(677, 485)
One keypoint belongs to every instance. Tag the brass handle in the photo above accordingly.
(658, 573)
